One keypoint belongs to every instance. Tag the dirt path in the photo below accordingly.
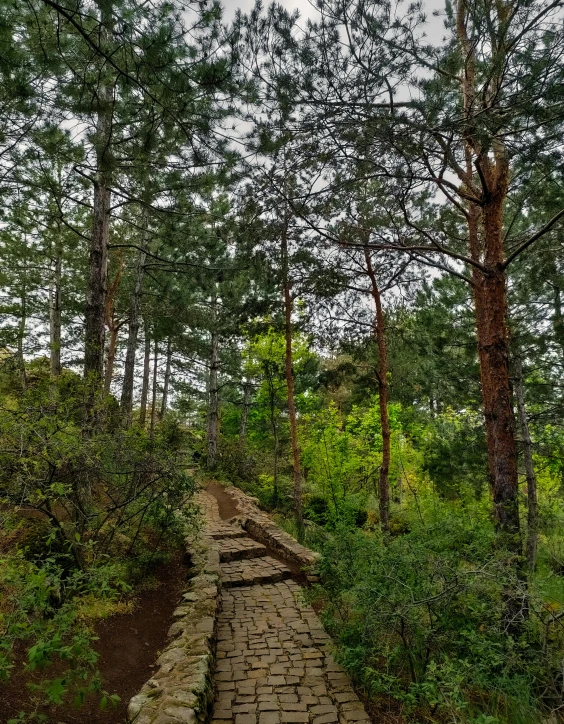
(273, 665)
(128, 647)
(227, 507)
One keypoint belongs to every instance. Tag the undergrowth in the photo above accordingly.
(84, 520)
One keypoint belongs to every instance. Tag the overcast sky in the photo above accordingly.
(435, 29)
(232, 5)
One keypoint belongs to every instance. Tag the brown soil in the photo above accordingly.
(128, 645)
(227, 505)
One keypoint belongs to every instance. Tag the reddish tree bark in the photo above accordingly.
(382, 374)
(490, 294)
(485, 182)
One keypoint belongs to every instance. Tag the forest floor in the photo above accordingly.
(128, 646)
(274, 664)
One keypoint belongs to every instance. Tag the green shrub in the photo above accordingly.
(316, 508)
(83, 517)
(422, 619)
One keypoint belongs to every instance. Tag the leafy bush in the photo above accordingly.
(422, 619)
(85, 514)
(454, 453)
(39, 607)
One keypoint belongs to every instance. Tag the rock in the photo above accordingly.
(135, 705)
(181, 713)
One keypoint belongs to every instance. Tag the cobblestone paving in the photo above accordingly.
(224, 530)
(236, 549)
(256, 570)
(273, 661)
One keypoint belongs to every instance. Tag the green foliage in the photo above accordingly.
(39, 607)
(342, 454)
(419, 618)
(454, 453)
(84, 518)
(263, 360)
(418, 615)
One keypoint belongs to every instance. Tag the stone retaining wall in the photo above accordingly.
(263, 529)
(181, 690)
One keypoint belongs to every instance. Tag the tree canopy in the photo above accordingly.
(320, 256)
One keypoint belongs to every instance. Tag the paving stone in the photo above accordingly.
(355, 715)
(219, 531)
(263, 569)
(294, 717)
(234, 549)
(345, 696)
(272, 665)
(245, 719)
(326, 718)
(269, 717)
(323, 709)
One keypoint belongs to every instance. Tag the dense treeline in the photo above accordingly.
(322, 258)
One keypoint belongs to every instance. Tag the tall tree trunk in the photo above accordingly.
(146, 378)
(494, 343)
(113, 325)
(532, 503)
(21, 333)
(247, 391)
(99, 239)
(133, 332)
(490, 300)
(558, 318)
(155, 384)
(166, 377)
(274, 427)
(213, 404)
(382, 373)
(476, 247)
(486, 180)
(289, 372)
(111, 357)
(55, 311)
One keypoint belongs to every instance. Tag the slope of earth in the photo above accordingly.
(128, 647)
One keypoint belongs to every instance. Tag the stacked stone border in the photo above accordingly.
(263, 529)
(182, 688)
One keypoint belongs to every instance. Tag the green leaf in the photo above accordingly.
(56, 690)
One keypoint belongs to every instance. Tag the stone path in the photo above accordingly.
(236, 549)
(259, 570)
(273, 661)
